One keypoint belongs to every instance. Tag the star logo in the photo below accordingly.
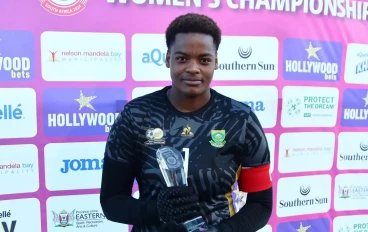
(302, 228)
(312, 51)
(85, 101)
(366, 100)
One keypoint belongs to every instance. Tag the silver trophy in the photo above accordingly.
(171, 165)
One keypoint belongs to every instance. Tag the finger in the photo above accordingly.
(181, 228)
(181, 191)
(184, 208)
(184, 200)
(172, 226)
(189, 215)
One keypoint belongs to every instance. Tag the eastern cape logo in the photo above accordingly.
(344, 192)
(64, 218)
(64, 8)
(218, 138)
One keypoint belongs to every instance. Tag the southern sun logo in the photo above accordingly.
(245, 54)
(305, 191)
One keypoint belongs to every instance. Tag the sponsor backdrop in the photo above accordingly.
(67, 67)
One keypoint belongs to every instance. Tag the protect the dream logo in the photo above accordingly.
(64, 7)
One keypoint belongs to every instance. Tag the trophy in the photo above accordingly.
(171, 165)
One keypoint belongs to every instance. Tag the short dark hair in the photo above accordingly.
(193, 23)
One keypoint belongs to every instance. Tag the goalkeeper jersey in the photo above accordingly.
(221, 143)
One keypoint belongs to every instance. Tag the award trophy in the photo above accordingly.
(171, 165)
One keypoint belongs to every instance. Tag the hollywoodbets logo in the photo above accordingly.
(16, 56)
(355, 108)
(320, 224)
(312, 60)
(80, 111)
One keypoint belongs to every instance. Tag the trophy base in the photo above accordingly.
(196, 225)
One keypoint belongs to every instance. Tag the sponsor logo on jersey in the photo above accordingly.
(16, 56)
(355, 108)
(322, 224)
(187, 131)
(312, 60)
(80, 111)
(218, 138)
(154, 136)
(64, 8)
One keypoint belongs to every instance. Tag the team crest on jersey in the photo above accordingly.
(187, 131)
(154, 136)
(218, 138)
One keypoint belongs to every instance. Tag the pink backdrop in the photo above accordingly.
(129, 19)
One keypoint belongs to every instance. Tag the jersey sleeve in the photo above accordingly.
(254, 174)
(120, 145)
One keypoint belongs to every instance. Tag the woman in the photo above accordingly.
(221, 140)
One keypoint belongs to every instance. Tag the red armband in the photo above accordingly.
(255, 179)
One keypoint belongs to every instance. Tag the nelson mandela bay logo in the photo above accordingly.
(64, 7)
(80, 219)
(311, 106)
(355, 108)
(307, 198)
(312, 60)
(218, 138)
(80, 111)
